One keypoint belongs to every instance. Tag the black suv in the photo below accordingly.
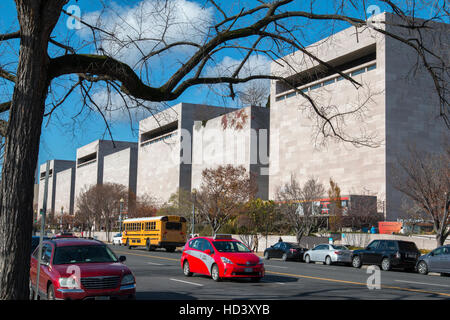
(388, 254)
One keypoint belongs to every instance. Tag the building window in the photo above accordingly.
(356, 72)
(372, 67)
(316, 86)
(290, 95)
(325, 83)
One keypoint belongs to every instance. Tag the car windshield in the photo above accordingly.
(83, 254)
(230, 246)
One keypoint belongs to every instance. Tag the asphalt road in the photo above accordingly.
(159, 276)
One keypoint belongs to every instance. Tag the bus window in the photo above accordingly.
(173, 226)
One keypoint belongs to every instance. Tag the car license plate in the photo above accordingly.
(102, 298)
(248, 270)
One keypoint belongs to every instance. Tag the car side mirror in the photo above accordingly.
(431, 253)
(122, 258)
(368, 248)
(207, 251)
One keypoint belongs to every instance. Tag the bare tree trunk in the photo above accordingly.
(36, 19)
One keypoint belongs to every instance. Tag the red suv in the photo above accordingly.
(73, 268)
(221, 257)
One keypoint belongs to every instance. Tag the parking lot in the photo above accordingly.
(159, 276)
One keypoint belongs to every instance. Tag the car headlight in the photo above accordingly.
(70, 283)
(226, 260)
(127, 279)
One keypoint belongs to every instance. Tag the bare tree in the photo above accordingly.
(223, 193)
(296, 204)
(425, 179)
(362, 212)
(100, 205)
(45, 60)
(254, 94)
(146, 206)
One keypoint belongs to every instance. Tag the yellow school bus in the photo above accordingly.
(166, 232)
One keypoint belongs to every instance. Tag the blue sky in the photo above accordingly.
(62, 135)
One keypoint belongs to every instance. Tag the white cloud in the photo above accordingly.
(144, 25)
(255, 65)
(117, 108)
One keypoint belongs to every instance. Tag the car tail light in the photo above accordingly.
(398, 255)
(292, 250)
(338, 252)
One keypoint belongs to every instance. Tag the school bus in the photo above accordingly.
(166, 232)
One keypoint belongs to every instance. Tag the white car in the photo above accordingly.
(328, 254)
(117, 239)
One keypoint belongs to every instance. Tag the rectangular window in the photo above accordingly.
(280, 98)
(355, 73)
(341, 63)
(290, 95)
(372, 67)
(316, 86)
(329, 82)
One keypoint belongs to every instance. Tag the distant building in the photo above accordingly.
(238, 138)
(399, 100)
(165, 149)
(55, 185)
(105, 161)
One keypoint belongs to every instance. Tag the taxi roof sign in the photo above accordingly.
(223, 237)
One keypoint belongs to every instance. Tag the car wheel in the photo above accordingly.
(328, 260)
(266, 255)
(284, 257)
(186, 269)
(215, 275)
(356, 262)
(422, 268)
(386, 264)
(50, 292)
(307, 259)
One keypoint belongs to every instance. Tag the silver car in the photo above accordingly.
(437, 260)
(328, 254)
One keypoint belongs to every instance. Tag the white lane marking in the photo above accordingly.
(154, 263)
(195, 284)
(271, 265)
(423, 283)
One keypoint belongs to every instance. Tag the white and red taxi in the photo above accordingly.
(221, 257)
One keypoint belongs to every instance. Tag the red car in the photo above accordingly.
(221, 257)
(73, 268)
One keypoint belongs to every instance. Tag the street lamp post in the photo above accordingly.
(194, 193)
(121, 201)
